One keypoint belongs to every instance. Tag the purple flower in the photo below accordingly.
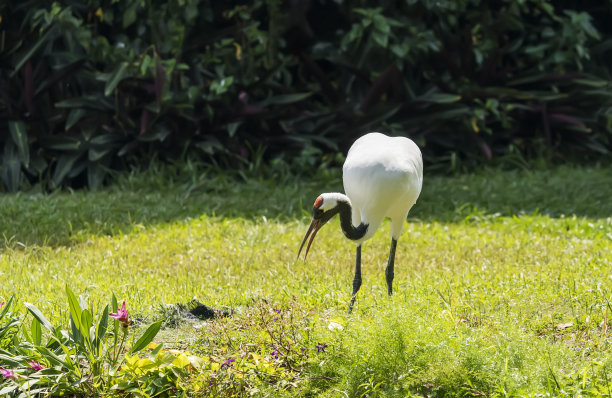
(36, 366)
(121, 315)
(227, 363)
(1, 305)
(321, 347)
(278, 311)
(9, 374)
(274, 353)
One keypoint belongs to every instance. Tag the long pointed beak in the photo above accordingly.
(314, 227)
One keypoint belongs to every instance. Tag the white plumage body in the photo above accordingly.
(382, 177)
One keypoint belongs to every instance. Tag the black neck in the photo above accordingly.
(351, 232)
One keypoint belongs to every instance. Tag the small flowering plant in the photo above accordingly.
(321, 347)
(85, 359)
(35, 366)
(7, 373)
(122, 316)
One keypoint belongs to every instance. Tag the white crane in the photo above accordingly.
(382, 177)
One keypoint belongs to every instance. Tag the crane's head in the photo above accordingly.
(324, 208)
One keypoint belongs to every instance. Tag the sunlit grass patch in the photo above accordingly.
(501, 286)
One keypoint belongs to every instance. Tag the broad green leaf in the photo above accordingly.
(62, 168)
(232, 127)
(381, 39)
(594, 83)
(156, 133)
(63, 143)
(147, 337)
(105, 139)
(11, 359)
(155, 351)
(11, 167)
(74, 116)
(86, 319)
(36, 332)
(32, 50)
(119, 74)
(75, 313)
(285, 99)
(95, 154)
(38, 165)
(20, 138)
(129, 15)
(40, 317)
(8, 389)
(87, 102)
(102, 326)
(439, 98)
(144, 65)
(55, 359)
(8, 327)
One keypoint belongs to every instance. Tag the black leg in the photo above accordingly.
(357, 279)
(389, 271)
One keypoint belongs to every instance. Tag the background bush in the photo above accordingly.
(89, 87)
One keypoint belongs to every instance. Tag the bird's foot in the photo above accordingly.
(350, 308)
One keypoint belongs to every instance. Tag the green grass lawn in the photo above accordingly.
(502, 285)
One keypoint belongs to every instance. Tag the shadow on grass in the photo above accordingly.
(60, 218)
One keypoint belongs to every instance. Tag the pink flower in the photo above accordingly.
(122, 316)
(9, 374)
(36, 366)
(1, 305)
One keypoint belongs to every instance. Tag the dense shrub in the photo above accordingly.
(87, 87)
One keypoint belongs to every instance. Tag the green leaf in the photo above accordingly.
(11, 360)
(20, 138)
(36, 332)
(102, 327)
(86, 319)
(156, 133)
(95, 154)
(8, 389)
(114, 307)
(129, 16)
(96, 102)
(593, 83)
(144, 65)
(74, 116)
(381, 39)
(75, 312)
(119, 74)
(156, 351)
(147, 337)
(105, 139)
(285, 99)
(62, 168)
(439, 98)
(55, 359)
(11, 168)
(38, 165)
(5, 308)
(32, 50)
(232, 127)
(40, 317)
(64, 143)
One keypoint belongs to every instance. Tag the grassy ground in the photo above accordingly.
(502, 282)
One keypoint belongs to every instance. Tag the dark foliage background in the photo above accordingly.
(88, 87)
